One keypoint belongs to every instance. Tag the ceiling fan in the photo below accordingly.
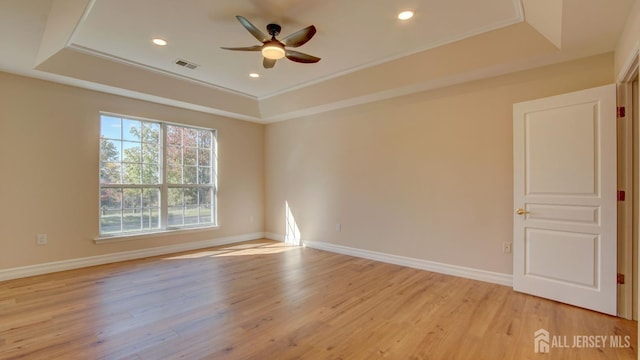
(273, 49)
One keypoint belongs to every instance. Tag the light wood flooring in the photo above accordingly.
(264, 300)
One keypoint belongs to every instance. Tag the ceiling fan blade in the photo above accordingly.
(252, 29)
(299, 37)
(301, 57)
(245, 48)
(268, 63)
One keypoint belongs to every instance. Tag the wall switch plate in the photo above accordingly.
(506, 247)
(338, 227)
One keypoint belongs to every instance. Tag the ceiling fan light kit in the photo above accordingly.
(273, 49)
(273, 52)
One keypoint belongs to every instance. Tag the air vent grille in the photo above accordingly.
(185, 63)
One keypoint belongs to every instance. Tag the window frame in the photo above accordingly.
(163, 186)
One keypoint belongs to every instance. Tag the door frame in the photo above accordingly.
(628, 174)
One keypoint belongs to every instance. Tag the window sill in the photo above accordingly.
(105, 239)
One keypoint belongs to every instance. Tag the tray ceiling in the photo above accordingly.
(367, 53)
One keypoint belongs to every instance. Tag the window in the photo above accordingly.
(155, 176)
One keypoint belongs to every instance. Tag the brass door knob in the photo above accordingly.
(521, 212)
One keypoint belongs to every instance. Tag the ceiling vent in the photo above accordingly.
(187, 64)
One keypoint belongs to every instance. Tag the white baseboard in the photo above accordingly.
(273, 236)
(470, 273)
(459, 271)
(31, 270)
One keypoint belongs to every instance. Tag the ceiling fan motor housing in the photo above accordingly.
(273, 29)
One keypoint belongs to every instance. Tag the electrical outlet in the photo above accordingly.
(41, 239)
(506, 247)
(338, 227)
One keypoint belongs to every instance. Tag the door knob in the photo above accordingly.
(521, 211)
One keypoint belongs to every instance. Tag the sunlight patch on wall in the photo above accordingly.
(292, 232)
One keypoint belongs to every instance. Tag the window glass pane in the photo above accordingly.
(190, 175)
(190, 196)
(110, 199)
(151, 132)
(174, 174)
(204, 196)
(110, 127)
(204, 157)
(175, 217)
(174, 155)
(150, 218)
(131, 130)
(110, 150)
(154, 218)
(191, 215)
(204, 139)
(150, 153)
(150, 198)
(131, 173)
(205, 215)
(204, 200)
(150, 208)
(110, 221)
(204, 175)
(174, 135)
(175, 197)
(131, 219)
(189, 137)
(132, 198)
(150, 174)
(190, 156)
(132, 151)
(110, 173)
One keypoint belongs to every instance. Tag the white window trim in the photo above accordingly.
(106, 239)
(167, 230)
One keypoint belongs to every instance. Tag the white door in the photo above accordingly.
(564, 220)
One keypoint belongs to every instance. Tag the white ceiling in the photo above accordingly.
(367, 54)
(348, 37)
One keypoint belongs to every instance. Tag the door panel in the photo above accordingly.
(565, 190)
(559, 256)
(564, 214)
(572, 169)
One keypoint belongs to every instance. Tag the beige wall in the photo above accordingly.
(427, 176)
(629, 42)
(49, 171)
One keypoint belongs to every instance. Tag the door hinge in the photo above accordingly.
(621, 111)
(620, 279)
(621, 195)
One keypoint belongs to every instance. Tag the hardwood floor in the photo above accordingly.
(264, 300)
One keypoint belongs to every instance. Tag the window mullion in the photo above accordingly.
(164, 192)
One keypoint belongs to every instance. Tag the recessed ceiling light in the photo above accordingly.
(254, 75)
(159, 42)
(405, 15)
